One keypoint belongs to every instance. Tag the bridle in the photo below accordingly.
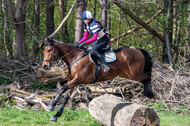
(52, 56)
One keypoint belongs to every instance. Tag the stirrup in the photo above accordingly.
(106, 68)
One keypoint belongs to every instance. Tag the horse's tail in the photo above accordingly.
(148, 62)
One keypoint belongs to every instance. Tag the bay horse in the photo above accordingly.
(133, 64)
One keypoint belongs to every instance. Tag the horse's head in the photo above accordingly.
(50, 54)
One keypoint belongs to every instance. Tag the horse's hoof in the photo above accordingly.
(51, 108)
(53, 118)
(149, 94)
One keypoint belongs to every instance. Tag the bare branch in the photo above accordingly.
(135, 29)
(10, 8)
(69, 13)
(139, 21)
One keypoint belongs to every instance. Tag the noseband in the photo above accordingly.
(52, 57)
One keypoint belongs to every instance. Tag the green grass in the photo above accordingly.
(10, 116)
(174, 120)
(176, 117)
(15, 117)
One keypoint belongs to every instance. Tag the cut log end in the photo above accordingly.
(144, 117)
(110, 110)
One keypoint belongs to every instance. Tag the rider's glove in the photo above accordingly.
(81, 44)
(77, 44)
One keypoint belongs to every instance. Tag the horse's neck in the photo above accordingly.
(67, 51)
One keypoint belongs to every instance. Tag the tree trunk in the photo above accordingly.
(95, 3)
(49, 17)
(110, 110)
(188, 32)
(79, 22)
(104, 12)
(37, 26)
(168, 11)
(37, 15)
(62, 10)
(109, 19)
(119, 25)
(6, 39)
(18, 16)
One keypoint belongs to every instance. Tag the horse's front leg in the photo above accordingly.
(62, 106)
(60, 92)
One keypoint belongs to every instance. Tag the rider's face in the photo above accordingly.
(86, 21)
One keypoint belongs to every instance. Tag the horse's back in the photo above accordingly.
(130, 54)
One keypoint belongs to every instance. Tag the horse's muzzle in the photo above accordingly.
(47, 67)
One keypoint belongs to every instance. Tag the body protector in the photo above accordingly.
(94, 27)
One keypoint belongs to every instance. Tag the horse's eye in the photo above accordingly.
(49, 51)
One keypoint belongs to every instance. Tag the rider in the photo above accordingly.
(100, 37)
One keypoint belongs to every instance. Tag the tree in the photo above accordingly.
(6, 35)
(188, 31)
(49, 17)
(37, 27)
(37, 14)
(18, 15)
(79, 22)
(139, 21)
(62, 10)
(104, 4)
(168, 31)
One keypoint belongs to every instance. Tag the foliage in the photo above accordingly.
(4, 81)
(39, 85)
(139, 39)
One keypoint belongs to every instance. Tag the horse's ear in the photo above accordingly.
(42, 44)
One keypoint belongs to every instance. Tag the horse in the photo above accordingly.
(133, 64)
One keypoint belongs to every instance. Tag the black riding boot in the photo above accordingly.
(103, 62)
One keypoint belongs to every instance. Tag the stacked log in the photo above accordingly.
(110, 110)
(55, 74)
(26, 99)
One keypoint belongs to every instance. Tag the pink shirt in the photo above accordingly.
(86, 34)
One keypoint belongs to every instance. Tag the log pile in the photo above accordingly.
(26, 99)
(170, 86)
(110, 110)
(55, 74)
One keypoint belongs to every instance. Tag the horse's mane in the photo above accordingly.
(63, 43)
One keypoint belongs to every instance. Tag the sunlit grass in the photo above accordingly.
(16, 117)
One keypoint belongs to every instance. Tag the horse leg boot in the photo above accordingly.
(62, 106)
(54, 102)
(103, 62)
(147, 89)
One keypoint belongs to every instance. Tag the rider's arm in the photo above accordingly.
(94, 38)
(85, 37)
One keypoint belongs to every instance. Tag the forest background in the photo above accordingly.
(161, 27)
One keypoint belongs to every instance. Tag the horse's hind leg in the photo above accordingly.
(147, 86)
(62, 106)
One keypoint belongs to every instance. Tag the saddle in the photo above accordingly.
(106, 54)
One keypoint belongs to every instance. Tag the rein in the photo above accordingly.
(54, 59)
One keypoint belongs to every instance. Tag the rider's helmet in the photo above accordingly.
(87, 15)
